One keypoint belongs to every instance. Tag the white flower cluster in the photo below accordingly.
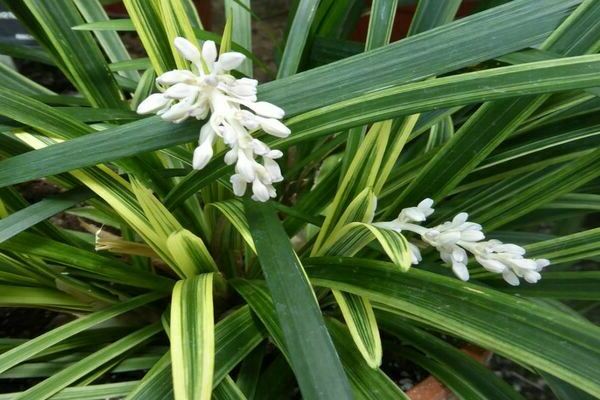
(454, 238)
(234, 113)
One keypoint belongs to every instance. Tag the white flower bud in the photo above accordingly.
(239, 184)
(152, 104)
(541, 263)
(472, 236)
(177, 113)
(259, 147)
(176, 76)
(229, 61)
(266, 109)
(261, 192)
(202, 155)
(510, 248)
(187, 50)
(272, 169)
(510, 277)
(231, 157)
(209, 53)
(245, 168)
(525, 263)
(181, 91)
(274, 154)
(415, 254)
(491, 264)
(461, 271)
(532, 276)
(274, 127)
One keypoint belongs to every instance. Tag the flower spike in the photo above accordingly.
(453, 239)
(208, 88)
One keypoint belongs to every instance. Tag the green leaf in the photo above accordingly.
(192, 337)
(11, 79)
(580, 285)
(381, 23)
(492, 123)
(302, 323)
(190, 253)
(353, 237)
(359, 317)
(24, 219)
(35, 346)
(513, 327)
(56, 382)
(476, 38)
(149, 26)
(88, 69)
(151, 134)
(92, 392)
(111, 43)
(368, 383)
(236, 335)
(21, 296)
(469, 381)
(431, 13)
(296, 38)
(228, 390)
(100, 266)
(122, 24)
(573, 247)
(240, 13)
(233, 210)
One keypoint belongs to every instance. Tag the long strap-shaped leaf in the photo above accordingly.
(465, 376)
(27, 217)
(151, 134)
(56, 382)
(494, 121)
(192, 334)
(34, 346)
(549, 340)
(367, 382)
(236, 336)
(79, 54)
(311, 353)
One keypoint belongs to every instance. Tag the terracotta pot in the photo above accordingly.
(432, 389)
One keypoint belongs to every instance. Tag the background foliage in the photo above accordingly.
(209, 295)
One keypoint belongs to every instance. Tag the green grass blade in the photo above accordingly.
(193, 338)
(544, 338)
(492, 123)
(304, 331)
(149, 26)
(87, 68)
(111, 43)
(34, 346)
(471, 380)
(240, 14)
(22, 296)
(236, 336)
(381, 23)
(27, 217)
(296, 39)
(431, 14)
(56, 382)
(228, 390)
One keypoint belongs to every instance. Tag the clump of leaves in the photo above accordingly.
(183, 286)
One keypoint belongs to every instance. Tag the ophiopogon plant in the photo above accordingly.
(263, 240)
